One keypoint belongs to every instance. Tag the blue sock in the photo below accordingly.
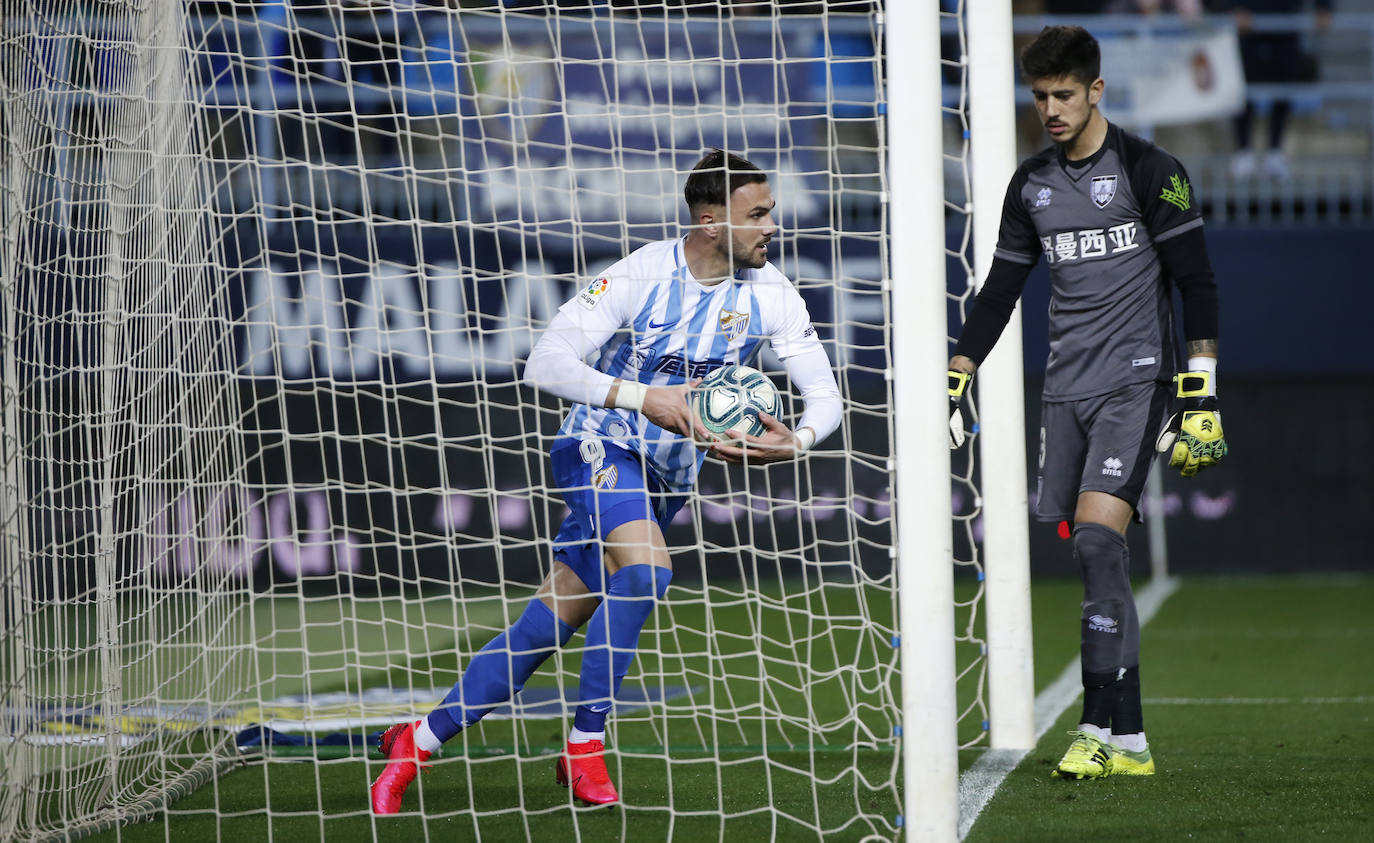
(500, 669)
(613, 637)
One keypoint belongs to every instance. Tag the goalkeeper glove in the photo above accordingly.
(1193, 437)
(958, 385)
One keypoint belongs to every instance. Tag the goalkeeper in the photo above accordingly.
(625, 458)
(1119, 226)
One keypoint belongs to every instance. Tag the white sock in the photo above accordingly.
(425, 738)
(1130, 743)
(579, 736)
(1098, 732)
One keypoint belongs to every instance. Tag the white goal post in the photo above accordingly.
(925, 542)
(1001, 393)
(269, 271)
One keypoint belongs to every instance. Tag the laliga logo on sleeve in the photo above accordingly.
(591, 296)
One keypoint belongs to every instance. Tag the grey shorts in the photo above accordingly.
(1099, 444)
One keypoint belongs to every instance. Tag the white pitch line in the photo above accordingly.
(978, 784)
(1259, 700)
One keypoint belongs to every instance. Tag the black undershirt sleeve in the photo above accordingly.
(1184, 259)
(992, 308)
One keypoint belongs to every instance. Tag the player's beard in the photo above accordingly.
(746, 255)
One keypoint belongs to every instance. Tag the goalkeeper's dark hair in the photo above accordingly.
(1062, 51)
(717, 175)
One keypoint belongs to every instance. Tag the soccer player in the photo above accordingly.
(1119, 225)
(629, 451)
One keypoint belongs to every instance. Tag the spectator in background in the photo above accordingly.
(1270, 57)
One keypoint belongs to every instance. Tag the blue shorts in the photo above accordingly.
(605, 486)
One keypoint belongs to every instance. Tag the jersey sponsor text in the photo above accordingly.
(1089, 243)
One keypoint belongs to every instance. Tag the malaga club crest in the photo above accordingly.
(732, 324)
(512, 84)
(1103, 190)
(606, 478)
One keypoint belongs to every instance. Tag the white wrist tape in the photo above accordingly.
(630, 396)
(1208, 365)
(806, 437)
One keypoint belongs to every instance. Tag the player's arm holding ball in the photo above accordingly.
(668, 407)
(582, 325)
(557, 363)
(809, 369)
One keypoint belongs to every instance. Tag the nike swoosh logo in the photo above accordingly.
(653, 324)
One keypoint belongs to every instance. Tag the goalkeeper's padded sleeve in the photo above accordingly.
(1193, 438)
(958, 385)
(992, 308)
(1185, 260)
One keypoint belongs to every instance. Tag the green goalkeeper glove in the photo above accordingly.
(958, 385)
(1193, 437)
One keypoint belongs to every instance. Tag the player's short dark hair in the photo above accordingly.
(1062, 51)
(717, 175)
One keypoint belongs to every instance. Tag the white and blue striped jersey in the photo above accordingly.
(656, 324)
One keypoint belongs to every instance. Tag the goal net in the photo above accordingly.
(270, 274)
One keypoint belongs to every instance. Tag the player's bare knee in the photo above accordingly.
(567, 596)
(636, 543)
(1104, 509)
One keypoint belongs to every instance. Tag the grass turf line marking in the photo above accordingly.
(1278, 634)
(1259, 700)
(978, 784)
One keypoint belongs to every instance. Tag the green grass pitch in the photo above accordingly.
(1259, 703)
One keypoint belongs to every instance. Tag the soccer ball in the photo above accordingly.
(730, 399)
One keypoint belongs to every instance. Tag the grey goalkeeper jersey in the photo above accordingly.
(1097, 222)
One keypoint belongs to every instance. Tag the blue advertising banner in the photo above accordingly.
(345, 302)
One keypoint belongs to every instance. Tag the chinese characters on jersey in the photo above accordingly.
(1089, 243)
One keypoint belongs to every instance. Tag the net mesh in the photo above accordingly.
(122, 604)
(271, 272)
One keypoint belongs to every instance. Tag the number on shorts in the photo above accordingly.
(594, 453)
